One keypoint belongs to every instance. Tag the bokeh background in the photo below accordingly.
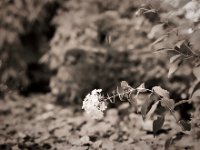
(54, 52)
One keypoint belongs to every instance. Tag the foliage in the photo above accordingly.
(92, 44)
(181, 40)
(25, 32)
(150, 106)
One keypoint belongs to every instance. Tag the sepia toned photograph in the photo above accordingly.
(99, 74)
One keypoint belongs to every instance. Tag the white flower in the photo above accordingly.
(93, 104)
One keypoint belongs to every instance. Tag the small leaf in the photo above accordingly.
(160, 39)
(144, 109)
(163, 49)
(125, 86)
(194, 41)
(133, 101)
(153, 98)
(155, 31)
(196, 72)
(186, 126)
(174, 58)
(152, 110)
(141, 88)
(168, 103)
(160, 110)
(194, 88)
(172, 68)
(139, 12)
(161, 92)
(148, 105)
(196, 93)
(183, 48)
(158, 123)
(179, 43)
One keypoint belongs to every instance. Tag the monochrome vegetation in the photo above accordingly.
(93, 74)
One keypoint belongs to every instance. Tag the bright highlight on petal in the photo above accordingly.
(93, 104)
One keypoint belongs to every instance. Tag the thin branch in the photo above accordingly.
(183, 102)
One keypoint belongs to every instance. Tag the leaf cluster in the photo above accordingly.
(157, 103)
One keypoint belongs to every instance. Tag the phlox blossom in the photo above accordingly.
(94, 105)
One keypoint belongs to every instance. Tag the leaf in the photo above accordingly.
(163, 49)
(155, 31)
(194, 88)
(139, 12)
(133, 101)
(168, 103)
(158, 123)
(173, 67)
(154, 97)
(125, 86)
(179, 44)
(141, 88)
(183, 48)
(148, 105)
(186, 126)
(152, 110)
(161, 92)
(196, 93)
(144, 110)
(174, 58)
(160, 39)
(196, 72)
(194, 41)
(160, 109)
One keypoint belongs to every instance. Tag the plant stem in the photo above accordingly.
(182, 102)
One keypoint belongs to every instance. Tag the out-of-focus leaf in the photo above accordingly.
(173, 67)
(150, 105)
(168, 103)
(186, 126)
(196, 93)
(160, 39)
(153, 109)
(154, 97)
(125, 86)
(196, 72)
(144, 109)
(161, 92)
(179, 43)
(194, 88)
(139, 12)
(160, 109)
(183, 48)
(133, 101)
(174, 58)
(156, 30)
(194, 41)
(164, 49)
(158, 123)
(141, 88)
(147, 106)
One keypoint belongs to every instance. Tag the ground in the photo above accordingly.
(36, 122)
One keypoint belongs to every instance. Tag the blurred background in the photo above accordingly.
(68, 48)
(54, 52)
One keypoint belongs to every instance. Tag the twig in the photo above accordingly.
(182, 102)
